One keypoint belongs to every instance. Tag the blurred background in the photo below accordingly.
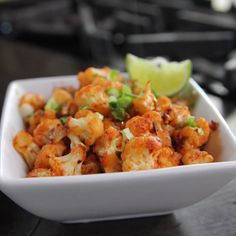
(49, 37)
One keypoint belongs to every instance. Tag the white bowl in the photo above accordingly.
(116, 195)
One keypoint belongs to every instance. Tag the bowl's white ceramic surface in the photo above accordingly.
(115, 195)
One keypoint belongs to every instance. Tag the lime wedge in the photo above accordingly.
(167, 78)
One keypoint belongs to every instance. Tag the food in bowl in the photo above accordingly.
(120, 195)
(108, 124)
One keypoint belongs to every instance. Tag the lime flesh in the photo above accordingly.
(167, 78)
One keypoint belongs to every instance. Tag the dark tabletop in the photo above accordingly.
(215, 215)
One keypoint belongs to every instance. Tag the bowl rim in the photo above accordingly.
(119, 176)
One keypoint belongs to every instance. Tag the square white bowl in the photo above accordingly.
(114, 195)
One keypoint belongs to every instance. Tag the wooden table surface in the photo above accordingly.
(215, 215)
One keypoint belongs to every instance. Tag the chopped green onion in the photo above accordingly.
(200, 131)
(119, 114)
(113, 74)
(124, 101)
(154, 93)
(141, 93)
(126, 89)
(114, 145)
(113, 92)
(63, 119)
(127, 134)
(100, 116)
(112, 99)
(112, 102)
(119, 104)
(191, 121)
(129, 95)
(52, 105)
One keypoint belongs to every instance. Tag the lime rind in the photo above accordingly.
(168, 78)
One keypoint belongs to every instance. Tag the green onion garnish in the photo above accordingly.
(114, 145)
(113, 92)
(191, 121)
(127, 134)
(126, 89)
(124, 101)
(154, 93)
(119, 104)
(119, 114)
(113, 74)
(63, 119)
(52, 105)
(200, 131)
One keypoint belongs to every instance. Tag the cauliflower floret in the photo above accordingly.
(191, 137)
(204, 130)
(48, 151)
(148, 124)
(164, 104)
(103, 77)
(24, 144)
(110, 163)
(38, 117)
(49, 131)
(139, 153)
(195, 156)
(106, 147)
(40, 172)
(147, 102)
(107, 84)
(69, 108)
(93, 97)
(173, 114)
(108, 122)
(61, 96)
(29, 103)
(157, 127)
(90, 74)
(74, 140)
(91, 165)
(166, 157)
(88, 126)
(139, 126)
(68, 164)
(35, 100)
(154, 117)
(164, 137)
(178, 115)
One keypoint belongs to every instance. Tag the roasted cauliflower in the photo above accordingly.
(49, 131)
(68, 164)
(87, 125)
(29, 103)
(40, 172)
(195, 156)
(107, 148)
(25, 145)
(139, 153)
(108, 123)
(93, 97)
(91, 165)
(189, 137)
(146, 102)
(48, 151)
